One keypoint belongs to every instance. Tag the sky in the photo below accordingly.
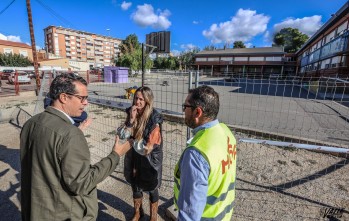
(192, 23)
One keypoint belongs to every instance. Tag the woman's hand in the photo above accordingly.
(133, 113)
(148, 149)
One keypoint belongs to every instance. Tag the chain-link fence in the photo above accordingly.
(282, 119)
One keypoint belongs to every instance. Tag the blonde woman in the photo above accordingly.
(143, 163)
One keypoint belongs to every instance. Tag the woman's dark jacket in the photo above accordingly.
(149, 167)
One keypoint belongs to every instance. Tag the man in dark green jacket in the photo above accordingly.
(57, 180)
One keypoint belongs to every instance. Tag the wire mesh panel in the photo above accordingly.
(273, 183)
(108, 102)
(297, 109)
(276, 183)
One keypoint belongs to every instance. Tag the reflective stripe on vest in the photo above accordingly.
(220, 216)
(213, 200)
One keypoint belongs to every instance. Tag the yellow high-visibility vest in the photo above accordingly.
(218, 146)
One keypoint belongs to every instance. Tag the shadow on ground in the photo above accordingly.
(8, 209)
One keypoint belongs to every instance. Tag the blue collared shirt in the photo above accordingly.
(195, 171)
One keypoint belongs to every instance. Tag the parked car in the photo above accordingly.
(23, 78)
(6, 73)
(31, 74)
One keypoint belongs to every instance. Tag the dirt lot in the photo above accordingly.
(273, 183)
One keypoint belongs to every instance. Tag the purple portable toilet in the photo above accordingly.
(108, 75)
(115, 74)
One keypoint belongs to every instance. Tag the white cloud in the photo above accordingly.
(14, 38)
(175, 53)
(195, 22)
(248, 45)
(125, 5)
(245, 25)
(306, 25)
(145, 16)
(188, 47)
(3, 37)
(10, 38)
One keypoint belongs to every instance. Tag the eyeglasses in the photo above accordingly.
(184, 106)
(82, 98)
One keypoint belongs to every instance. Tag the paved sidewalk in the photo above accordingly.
(115, 195)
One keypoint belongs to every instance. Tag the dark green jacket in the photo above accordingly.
(57, 180)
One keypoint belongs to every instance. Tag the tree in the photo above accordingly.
(166, 63)
(129, 44)
(14, 60)
(239, 44)
(209, 48)
(186, 58)
(131, 54)
(159, 63)
(291, 39)
(171, 63)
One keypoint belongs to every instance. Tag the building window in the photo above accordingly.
(8, 51)
(201, 59)
(213, 59)
(273, 58)
(226, 58)
(342, 28)
(256, 58)
(23, 53)
(240, 58)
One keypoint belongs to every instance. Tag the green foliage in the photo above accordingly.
(187, 58)
(166, 63)
(239, 44)
(132, 54)
(291, 38)
(14, 60)
(209, 48)
(130, 44)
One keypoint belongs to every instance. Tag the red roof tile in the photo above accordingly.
(14, 44)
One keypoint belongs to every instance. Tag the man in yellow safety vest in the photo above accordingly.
(206, 171)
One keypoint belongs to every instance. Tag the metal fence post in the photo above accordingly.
(196, 79)
(189, 87)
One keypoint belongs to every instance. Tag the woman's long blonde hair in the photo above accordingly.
(142, 120)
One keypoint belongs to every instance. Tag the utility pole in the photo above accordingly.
(110, 43)
(144, 56)
(143, 65)
(32, 39)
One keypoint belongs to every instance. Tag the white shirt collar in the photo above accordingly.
(71, 119)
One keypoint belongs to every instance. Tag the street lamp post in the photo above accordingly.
(108, 30)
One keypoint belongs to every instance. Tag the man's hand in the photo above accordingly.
(83, 125)
(121, 149)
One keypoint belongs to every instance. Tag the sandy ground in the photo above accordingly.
(272, 184)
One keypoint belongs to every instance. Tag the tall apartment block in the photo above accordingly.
(97, 50)
(159, 39)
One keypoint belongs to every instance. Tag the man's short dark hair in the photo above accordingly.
(206, 98)
(64, 83)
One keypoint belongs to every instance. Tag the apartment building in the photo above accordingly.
(8, 47)
(253, 62)
(97, 50)
(325, 54)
